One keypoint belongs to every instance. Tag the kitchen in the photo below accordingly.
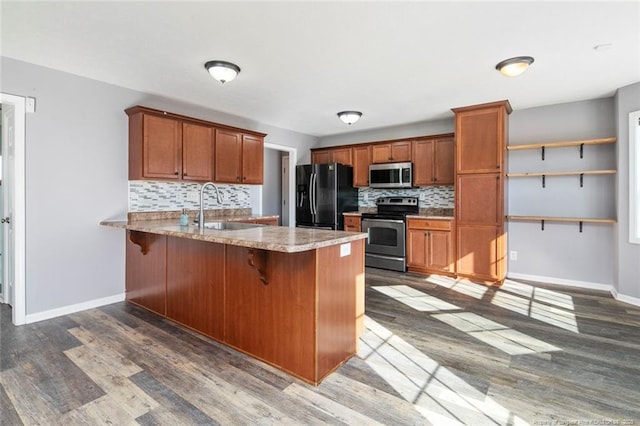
(57, 194)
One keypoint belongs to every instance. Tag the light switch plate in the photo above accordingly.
(345, 249)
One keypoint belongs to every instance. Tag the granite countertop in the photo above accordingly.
(425, 213)
(274, 238)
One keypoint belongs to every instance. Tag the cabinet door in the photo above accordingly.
(401, 151)
(361, 160)
(197, 152)
(321, 157)
(161, 151)
(417, 248)
(228, 150)
(252, 160)
(478, 249)
(480, 140)
(195, 285)
(423, 152)
(439, 253)
(393, 152)
(381, 153)
(342, 156)
(479, 199)
(352, 223)
(146, 257)
(443, 162)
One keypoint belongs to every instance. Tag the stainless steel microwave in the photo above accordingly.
(391, 175)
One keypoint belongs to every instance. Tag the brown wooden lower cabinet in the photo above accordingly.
(430, 246)
(478, 252)
(301, 312)
(352, 223)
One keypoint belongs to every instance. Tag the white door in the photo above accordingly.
(13, 202)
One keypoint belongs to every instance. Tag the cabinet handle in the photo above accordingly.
(175, 173)
(184, 174)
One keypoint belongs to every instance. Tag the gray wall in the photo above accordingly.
(76, 176)
(628, 266)
(561, 251)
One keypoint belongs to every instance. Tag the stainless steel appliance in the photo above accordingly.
(386, 243)
(323, 193)
(391, 175)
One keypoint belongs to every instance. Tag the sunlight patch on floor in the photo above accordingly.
(497, 335)
(473, 290)
(438, 394)
(415, 299)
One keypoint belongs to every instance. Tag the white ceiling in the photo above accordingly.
(302, 62)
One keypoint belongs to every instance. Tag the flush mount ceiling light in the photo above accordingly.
(513, 67)
(349, 117)
(222, 71)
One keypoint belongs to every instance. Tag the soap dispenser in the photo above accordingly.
(184, 218)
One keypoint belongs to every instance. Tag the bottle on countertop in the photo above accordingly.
(184, 218)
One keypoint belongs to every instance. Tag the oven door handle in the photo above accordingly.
(384, 220)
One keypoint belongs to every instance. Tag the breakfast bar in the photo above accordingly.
(291, 297)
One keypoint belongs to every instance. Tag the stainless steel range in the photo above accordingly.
(386, 229)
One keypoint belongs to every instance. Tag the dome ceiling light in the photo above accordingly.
(349, 117)
(513, 67)
(222, 71)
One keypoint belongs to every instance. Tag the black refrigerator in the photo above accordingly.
(323, 193)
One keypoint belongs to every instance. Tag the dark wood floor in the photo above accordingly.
(436, 351)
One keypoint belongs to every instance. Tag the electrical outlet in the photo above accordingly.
(193, 196)
(513, 255)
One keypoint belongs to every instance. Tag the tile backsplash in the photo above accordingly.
(428, 196)
(145, 196)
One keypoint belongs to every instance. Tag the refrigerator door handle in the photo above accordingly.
(312, 187)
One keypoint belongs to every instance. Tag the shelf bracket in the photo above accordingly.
(581, 180)
(581, 150)
(543, 153)
(580, 224)
(544, 181)
(141, 240)
(542, 225)
(257, 259)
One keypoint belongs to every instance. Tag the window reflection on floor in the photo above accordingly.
(438, 394)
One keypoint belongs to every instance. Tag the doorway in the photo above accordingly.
(12, 197)
(283, 188)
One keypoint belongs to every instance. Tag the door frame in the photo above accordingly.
(293, 156)
(18, 296)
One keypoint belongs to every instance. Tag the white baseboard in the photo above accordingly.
(581, 284)
(66, 310)
(560, 281)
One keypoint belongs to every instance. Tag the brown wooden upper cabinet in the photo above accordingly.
(361, 160)
(433, 161)
(480, 134)
(332, 155)
(166, 146)
(238, 157)
(393, 152)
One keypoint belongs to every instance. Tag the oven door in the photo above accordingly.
(385, 236)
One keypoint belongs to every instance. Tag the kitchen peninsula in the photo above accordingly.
(291, 297)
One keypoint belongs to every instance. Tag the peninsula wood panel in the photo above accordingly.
(197, 152)
(340, 304)
(146, 270)
(195, 285)
(276, 321)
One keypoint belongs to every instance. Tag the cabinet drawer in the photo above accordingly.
(429, 224)
(352, 221)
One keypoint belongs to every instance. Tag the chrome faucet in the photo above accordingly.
(200, 218)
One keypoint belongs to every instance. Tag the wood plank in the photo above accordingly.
(571, 173)
(560, 219)
(562, 144)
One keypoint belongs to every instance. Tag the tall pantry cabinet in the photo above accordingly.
(480, 163)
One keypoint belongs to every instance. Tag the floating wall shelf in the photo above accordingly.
(562, 144)
(543, 219)
(580, 173)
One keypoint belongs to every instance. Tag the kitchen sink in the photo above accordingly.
(230, 226)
